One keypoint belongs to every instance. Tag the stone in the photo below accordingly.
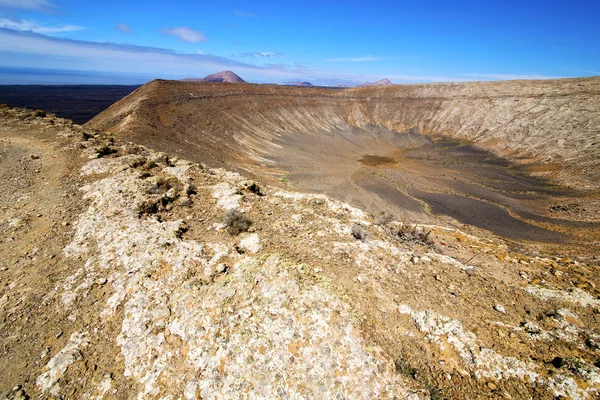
(556, 272)
(523, 275)
(185, 201)
(250, 244)
(492, 386)
(220, 268)
(161, 313)
(499, 308)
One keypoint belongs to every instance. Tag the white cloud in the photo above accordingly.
(24, 25)
(244, 13)
(123, 28)
(263, 54)
(184, 34)
(35, 5)
(30, 50)
(357, 59)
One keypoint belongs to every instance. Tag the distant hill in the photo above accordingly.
(223, 76)
(382, 82)
(298, 83)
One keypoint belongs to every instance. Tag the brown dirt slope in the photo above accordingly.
(119, 279)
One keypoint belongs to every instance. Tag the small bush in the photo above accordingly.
(412, 234)
(105, 151)
(384, 218)
(402, 367)
(137, 161)
(359, 233)
(147, 207)
(256, 189)
(149, 165)
(39, 113)
(236, 222)
(161, 185)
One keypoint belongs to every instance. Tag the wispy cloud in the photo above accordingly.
(24, 25)
(263, 54)
(185, 34)
(25, 49)
(30, 50)
(357, 59)
(579, 70)
(35, 5)
(123, 28)
(510, 77)
(244, 14)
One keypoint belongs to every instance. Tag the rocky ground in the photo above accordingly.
(124, 273)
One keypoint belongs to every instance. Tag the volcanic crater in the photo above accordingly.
(507, 157)
(469, 270)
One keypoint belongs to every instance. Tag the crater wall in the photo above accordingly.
(552, 125)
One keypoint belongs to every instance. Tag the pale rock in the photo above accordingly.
(500, 308)
(250, 244)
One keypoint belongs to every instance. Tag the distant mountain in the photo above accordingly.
(383, 82)
(298, 83)
(223, 76)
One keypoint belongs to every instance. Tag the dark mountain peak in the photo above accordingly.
(223, 76)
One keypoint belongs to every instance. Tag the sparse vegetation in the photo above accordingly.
(411, 233)
(149, 164)
(383, 218)
(105, 151)
(236, 222)
(183, 228)
(404, 231)
(86, 135)
(39, 113)
(402, 367)
(137, 162)
(256, 189)
(142, 162)
(160, 185)
(148, 207)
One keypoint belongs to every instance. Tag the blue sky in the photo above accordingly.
(324, 42)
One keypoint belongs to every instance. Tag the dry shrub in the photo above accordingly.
(236, 222)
